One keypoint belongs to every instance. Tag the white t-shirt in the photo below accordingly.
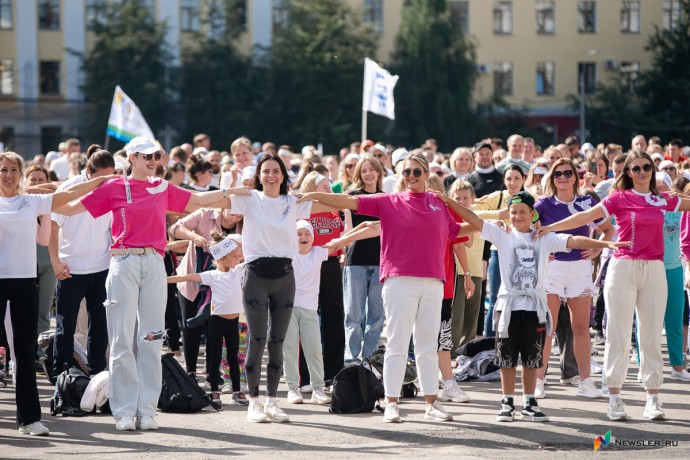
(270, 224)
(307, 269)
(18, 226)
(522, 261)
(226, 290)
(226, 180)
(83, 241)
(60, 167)
(388, 184)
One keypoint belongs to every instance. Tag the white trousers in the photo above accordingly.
(304, 328)
(135, 306)
(413, 307)
(631, 283)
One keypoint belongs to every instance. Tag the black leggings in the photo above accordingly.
(263, 297)
(220, 328)
(190, 336)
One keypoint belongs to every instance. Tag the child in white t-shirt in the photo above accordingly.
(226, 306)
(304, 324)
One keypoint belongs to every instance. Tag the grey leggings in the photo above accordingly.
(263, 297)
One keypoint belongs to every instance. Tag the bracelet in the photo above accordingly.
(225, 193)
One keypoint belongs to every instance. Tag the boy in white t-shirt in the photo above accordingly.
(524, 319)
(304, 324)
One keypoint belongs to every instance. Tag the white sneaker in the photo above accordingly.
(226, 389)
(306, 389)
(539, 392)
(34, 429)
(454, 394)
(617, 411)
(146, 422)
(275, 413)
(634, 356)
(595, 367)
(255, 412)
(392, 413)
(571, 381)
(319, 397)
(437, 413)
(125, 424)
(653, 410)
(682, 375)
(588, 389)
(294, 396)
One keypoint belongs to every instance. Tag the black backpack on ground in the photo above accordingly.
(375, 363)
(69, 389)
(356, 390)
(180, 393)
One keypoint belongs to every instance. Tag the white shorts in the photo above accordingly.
(569, 279)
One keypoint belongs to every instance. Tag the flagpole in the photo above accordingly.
(107, 141)
(364, 125)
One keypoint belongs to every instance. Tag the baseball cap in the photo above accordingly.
(480, 145)
(399, 155)
(526, 198)
(141, 144)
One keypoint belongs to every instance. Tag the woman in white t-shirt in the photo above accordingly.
(18, 228)
(636, 277)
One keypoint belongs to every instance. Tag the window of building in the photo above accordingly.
(373, 15)
(630, 71)
(587, 17)
(6, 138)
(6, 77)
(546, 78)
(503, 17)
(587, 73)
(49, 14)
(50, 77)
(672, 14)
(5, 14)
(51, 136)
(96, 12)
(503, 78)
(280, 13)
(189, 15)
(630, 17)
(546, 17)
(460, 14)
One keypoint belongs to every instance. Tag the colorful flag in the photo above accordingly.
(378, 90)
(126, 121)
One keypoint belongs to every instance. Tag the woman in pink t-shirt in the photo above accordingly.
(636, 278)
(136, 284)
(415, 229)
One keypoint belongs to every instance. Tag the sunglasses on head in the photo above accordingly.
(416, 172)
(151, 156)
(646, 168)
(567, 174)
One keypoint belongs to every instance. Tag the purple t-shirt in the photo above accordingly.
(552, 210)
(415, 230)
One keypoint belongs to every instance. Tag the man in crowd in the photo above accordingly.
(516, 146)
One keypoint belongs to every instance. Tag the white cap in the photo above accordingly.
(665, 178)
(657, 156)
(141, 144)
(306, 225)
(203, 151)
(248, 173)
(541, 170)
(352, 156)
(586, 146)
(399, 155)
(380, 148)
(666, 164)
(119, 165)
(308, 150)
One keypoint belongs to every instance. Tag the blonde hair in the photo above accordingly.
(309, 182)
(433, 182)
(358, 183)
(241, 141)
(550, 187)
(457, 153)
(460, 185)
(15, 158)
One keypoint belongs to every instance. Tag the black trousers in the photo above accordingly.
(220, 328)
(190, 335)
(22, 294)
(70, 293)
(172, 308)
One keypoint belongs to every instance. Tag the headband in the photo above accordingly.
(222, 249)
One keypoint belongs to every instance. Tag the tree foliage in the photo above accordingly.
(437, 67)
(129, 51)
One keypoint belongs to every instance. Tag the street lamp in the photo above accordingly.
(590, 53)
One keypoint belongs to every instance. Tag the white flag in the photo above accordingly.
(378, 90)
(126, 121)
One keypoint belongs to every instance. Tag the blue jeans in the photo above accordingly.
(494, 286)
(363, 305)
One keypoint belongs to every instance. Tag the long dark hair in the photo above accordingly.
(625, 182)
(284, 185)
(517, 168)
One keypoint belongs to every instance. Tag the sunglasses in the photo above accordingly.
(440, 173)
(646, 168)
(415, 172)
(151, 156)
(669, 168)
(349, 166)
(379, 155)
(567, 174)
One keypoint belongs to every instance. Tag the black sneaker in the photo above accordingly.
(240, 399)
(533, 411)
(507, 412)
(215, 397)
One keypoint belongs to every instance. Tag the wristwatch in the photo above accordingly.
(467, 274)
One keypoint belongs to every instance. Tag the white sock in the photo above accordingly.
(448, 384)
(271, 400)
(508, 397)
(614, 398)
(652, 396)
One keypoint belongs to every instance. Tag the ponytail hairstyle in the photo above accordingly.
(98, 159)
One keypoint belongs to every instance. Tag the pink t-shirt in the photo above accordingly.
(685, 235)
(640, 220)
(415, 230)
(141, 223)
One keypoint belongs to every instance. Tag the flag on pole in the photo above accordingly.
(378, 90)
(126, 121)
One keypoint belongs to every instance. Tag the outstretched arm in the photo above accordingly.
(336, 200)
(214, 199)
(467, 214)
(63, 197)
(180, 278)
(582, 242)
(575, 220)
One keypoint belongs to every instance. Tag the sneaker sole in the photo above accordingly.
(296, 401)
(618, 418)
(279, 420)
(500, 418)
(455, 400)
(656, 417)
(126, 428)
(536, 419)
(583, 395)
(320, 403)
(438, 419)
(392, 420)
(259, 421)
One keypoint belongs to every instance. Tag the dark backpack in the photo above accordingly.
(69, 389)
(375, 363)
(356, 390)
(180, 393)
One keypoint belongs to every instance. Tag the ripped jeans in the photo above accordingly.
(263, 297)
(136, 293)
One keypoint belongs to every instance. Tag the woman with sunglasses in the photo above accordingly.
(569, 275)
(136, 283)
(415, 229)
(636, 279)
(346, 173)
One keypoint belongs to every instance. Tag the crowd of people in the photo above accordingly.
(311, 256)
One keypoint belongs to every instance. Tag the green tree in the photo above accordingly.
(316, 72)
(129, 51)
(437, 67)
